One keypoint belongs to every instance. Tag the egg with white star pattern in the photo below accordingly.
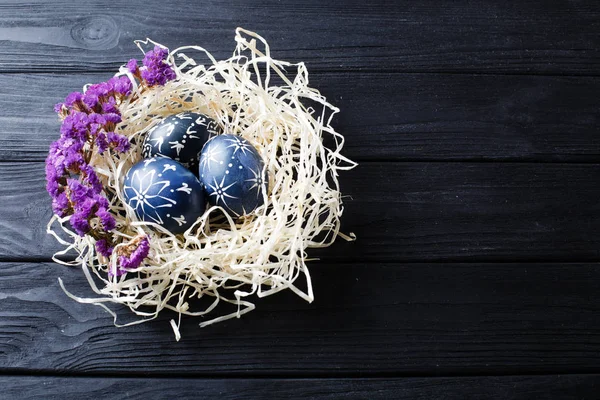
(181, 138)
(163, 191)
(233, 174)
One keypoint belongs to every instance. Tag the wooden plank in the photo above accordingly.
(430, 211)
(574, 387)
(366, 320)
(461, 36)
(384, 116)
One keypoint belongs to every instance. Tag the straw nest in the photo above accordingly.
(269, 102)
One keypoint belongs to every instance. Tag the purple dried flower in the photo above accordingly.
(60, 204)
(115, 118)
(91, 99)
(121, 85)
(156, 71)
(86, 209)
(110, 107)
(104, 248)
(65, 153)
(95, 118)
(75, 126)
(79, 221)
(94, 129)
(101, 142)
(136, 257)
(52, 177)
(57, 161)
(91, 178)
(158, 77)
(101, 201)
(58, 107)
(96, 94)
(78, 192)
(86, 204)
(100, 89)
(70, 154)
(70, 144)
(73, 160)
(118, 142)
(153, 56)
(132, 65)
(52, 185)
(106, 219)
(73, 98)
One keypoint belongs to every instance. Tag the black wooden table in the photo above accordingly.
(475, 273)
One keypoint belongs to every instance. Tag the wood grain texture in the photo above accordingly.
(486, 36)
(366, 320)
(430, 211)
(383, 116)
(575, 387)
(475, 206)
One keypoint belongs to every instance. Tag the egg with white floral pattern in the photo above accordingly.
(181, 138)
(163, 191)
(233, 174)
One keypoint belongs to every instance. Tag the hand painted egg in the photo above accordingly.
(233, 174)
(163, 191)
(181, 138)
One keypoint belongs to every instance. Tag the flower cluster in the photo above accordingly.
(155, 70)
(89, 125)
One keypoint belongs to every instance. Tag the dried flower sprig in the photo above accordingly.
(132, 255)
(89, 124)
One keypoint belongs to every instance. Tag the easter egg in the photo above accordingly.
(181, 138)
(163, 191)
(233, 174)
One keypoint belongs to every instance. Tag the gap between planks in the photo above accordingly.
(349, 71)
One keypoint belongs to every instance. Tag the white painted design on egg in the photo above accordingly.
(220, 191)
(256, 180)
(158, 142)
(183, 115)
(170, 128)
(209, 155)
(190, 132)
(141, 195)
(184, 188)
(168, 167)
(237, 144)
(180, 220)
(177, 146)
(148, 161)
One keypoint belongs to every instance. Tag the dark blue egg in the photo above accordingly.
(163, 191)
(233, 174)
(181, 138)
